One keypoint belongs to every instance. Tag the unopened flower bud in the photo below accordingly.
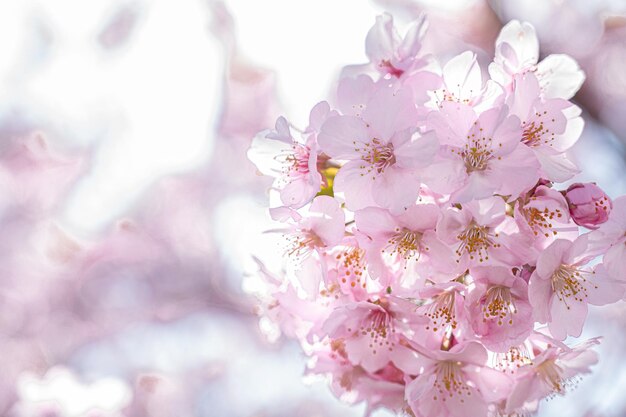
(589, 206)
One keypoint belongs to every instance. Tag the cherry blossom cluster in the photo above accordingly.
(433, 264)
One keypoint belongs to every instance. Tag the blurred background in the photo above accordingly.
(130, 213)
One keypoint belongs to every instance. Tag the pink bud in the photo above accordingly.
(588, 204)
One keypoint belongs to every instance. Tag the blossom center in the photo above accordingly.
(297, 162)
(441, 312)
(377, 156)
(447, 95)
(536, 133)
(569, 283)
(552, 375)
(513, 359)
(351, 264)
(388, 67)
(476, 241)
(405, 243)
(302, 243)
(476, 153)
(380, 327)
(541, 220)
(499, 304)
(450, 381)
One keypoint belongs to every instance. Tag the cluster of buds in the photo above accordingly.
(434, 266)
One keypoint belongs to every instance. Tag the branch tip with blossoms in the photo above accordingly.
(436, 264)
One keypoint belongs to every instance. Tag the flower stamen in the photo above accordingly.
(377, 156)
(405, 243)
(499, 304)
(476, 241)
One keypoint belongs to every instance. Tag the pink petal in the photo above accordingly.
(493, 385)
(602, 288)
(300, 191)
(353, 94)
(462, 76)
(566, 317)
(417, 152)
(319, 113)
(615, 260)
(560, 76)
(375, 222)
(357, 188)
(412, 42)
(552, 258)
(525, 95)
(420, 217)
(518, 171)
(263, 151)
(390, 111)
(340, 135)
(381, 39)
(445, 175)
(396, 189)
(328, 219)
(557, 167)
(527, 388)
(539, 295)
(452, 122)
(523, 39)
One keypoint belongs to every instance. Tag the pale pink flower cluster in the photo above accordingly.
(433, 266)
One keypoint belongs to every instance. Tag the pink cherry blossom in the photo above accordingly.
(499, 308)
(561, 287)
(588, 204)
(456, 383)
(554, 371)
(293, 315)
(390, 54)
(481, 154)
(517, 52)
(348, 274)
(322, 225)
(293, 163)
(544, 212)
(384, 388)
(550, 126)
(444, 307)
(463, 83)
(396, 243)
(375, 332)
(383, 150)
(481, 232)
